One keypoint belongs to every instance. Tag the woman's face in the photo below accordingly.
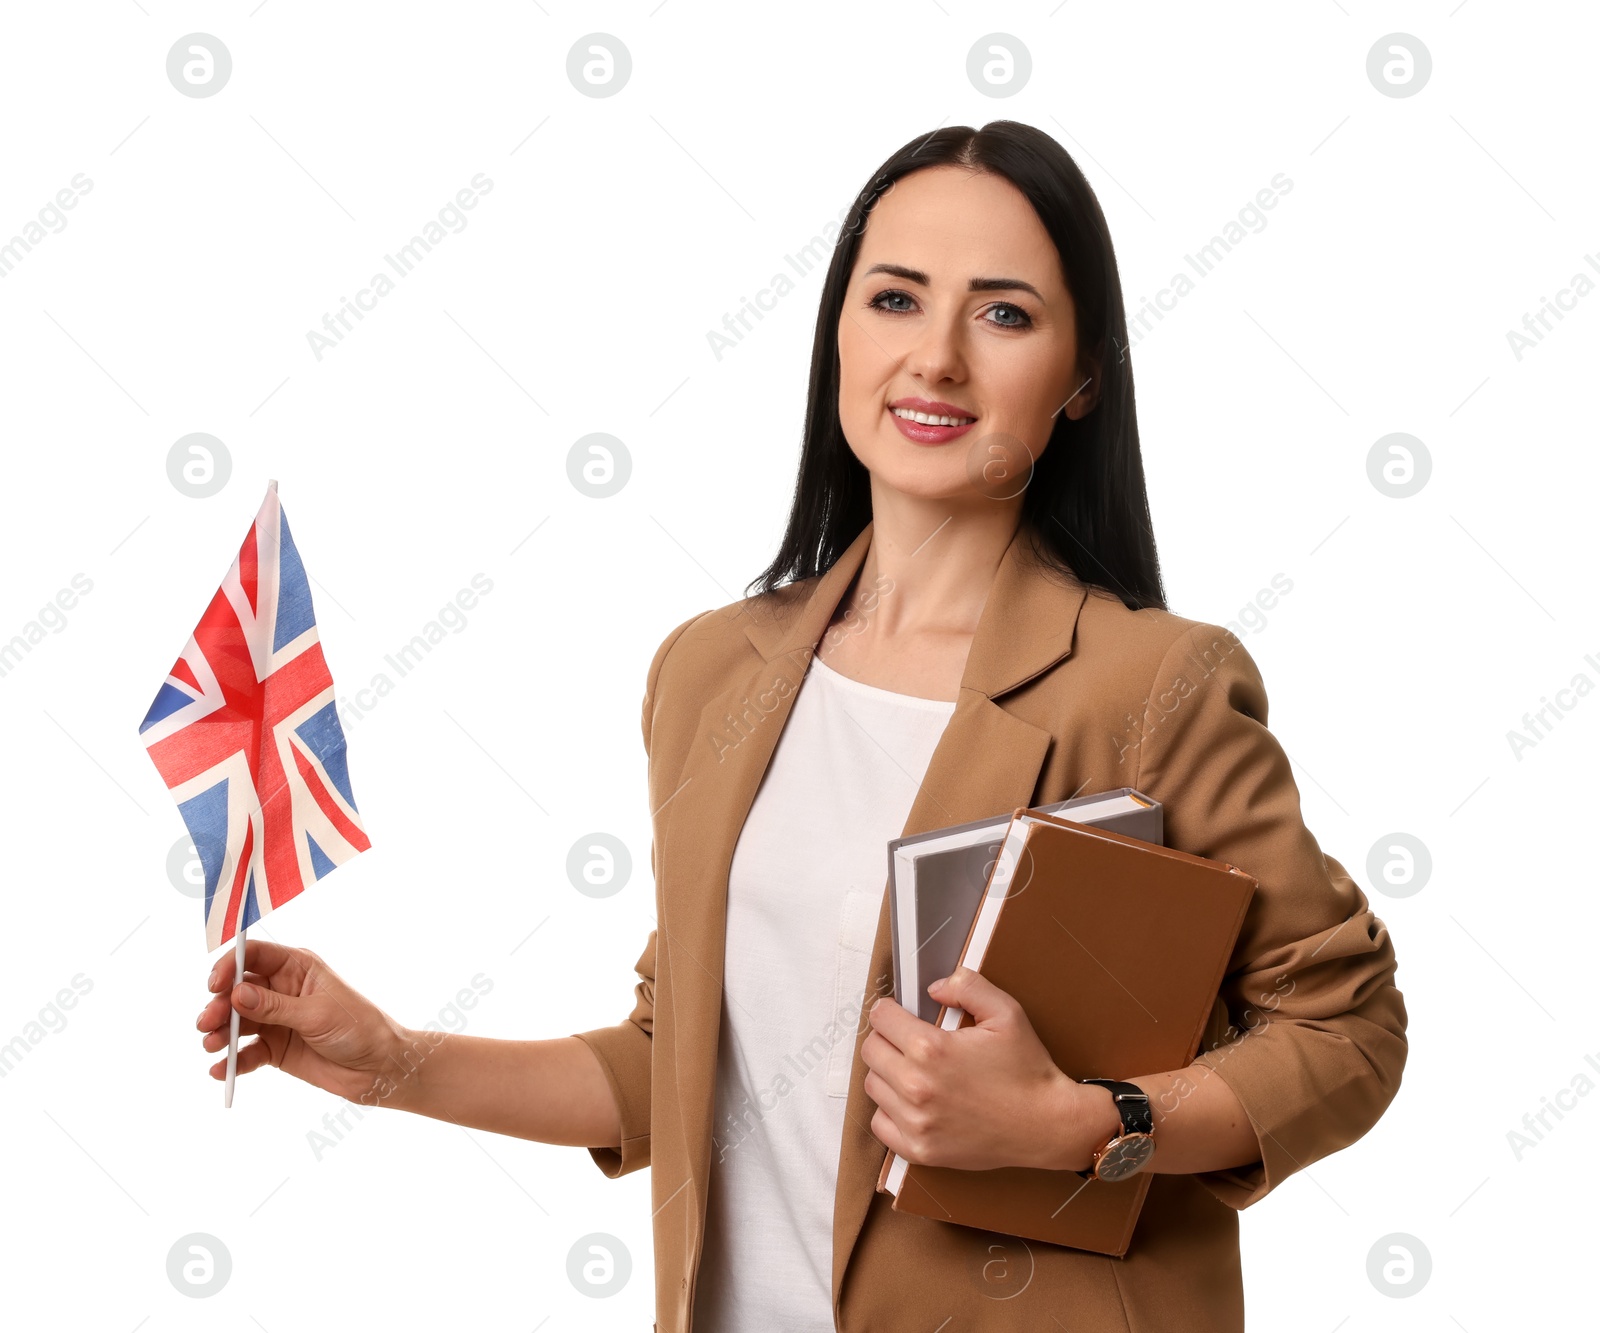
(913, 328)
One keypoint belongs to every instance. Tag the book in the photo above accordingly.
(936, 880)
(1116, 949)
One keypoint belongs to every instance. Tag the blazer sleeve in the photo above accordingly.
(1313, 1041)
(624, 1049)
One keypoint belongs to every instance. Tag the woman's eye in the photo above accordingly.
(877, 301)
(1020, 318)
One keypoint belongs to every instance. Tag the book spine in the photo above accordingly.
(1012, 848)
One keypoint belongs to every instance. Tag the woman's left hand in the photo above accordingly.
(976, 1098)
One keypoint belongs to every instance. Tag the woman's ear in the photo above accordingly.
(1085, 389)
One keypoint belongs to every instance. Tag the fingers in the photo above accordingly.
(975, 993)
(252, 1055)
(214, 1021)
(255, 1000)
(217, 1040)
(262, 956)
(887, 1098)
(215, 1012)
(886, 1060)
(897, 1023)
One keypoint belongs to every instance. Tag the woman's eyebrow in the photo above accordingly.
(973, 284)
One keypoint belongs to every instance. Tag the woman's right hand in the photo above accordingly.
(306, 1021)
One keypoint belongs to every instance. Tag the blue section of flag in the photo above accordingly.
(251, 913)
(324, 737)
(206, 816)
(169, 699)
(320, 864)
(295, 615)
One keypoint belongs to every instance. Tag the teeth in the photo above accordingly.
(927, 420)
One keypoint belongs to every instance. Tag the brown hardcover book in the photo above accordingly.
(1116, 950)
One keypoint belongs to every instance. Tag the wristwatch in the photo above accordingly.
(1126, 1151)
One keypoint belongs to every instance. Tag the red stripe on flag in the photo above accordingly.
(181, 671)
(236, 896)
(319, 793)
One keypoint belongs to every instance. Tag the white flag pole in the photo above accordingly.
(238, 976)
(233, 1016)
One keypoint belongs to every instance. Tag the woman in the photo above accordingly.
(965, 616)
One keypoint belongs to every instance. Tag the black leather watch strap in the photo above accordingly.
(1133, 1105)
(1132, 1102)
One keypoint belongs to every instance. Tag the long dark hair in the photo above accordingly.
(1085, 511)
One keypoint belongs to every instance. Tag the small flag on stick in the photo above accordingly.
(245, 733)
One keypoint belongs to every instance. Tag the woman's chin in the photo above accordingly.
(945, 483)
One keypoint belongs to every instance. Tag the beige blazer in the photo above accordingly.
(1065, 692)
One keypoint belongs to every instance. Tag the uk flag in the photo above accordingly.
(245, 734)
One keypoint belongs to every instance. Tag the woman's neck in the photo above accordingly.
(928, 567)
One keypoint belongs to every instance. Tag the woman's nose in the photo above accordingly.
(936, 353)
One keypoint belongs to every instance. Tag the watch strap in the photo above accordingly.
(1133, 1106)
(1132, 1103)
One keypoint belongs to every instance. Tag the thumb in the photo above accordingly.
(971, 991)
(270, 1006)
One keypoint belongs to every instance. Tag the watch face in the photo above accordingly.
(1124, 1156)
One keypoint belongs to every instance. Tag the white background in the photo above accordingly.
(430, 443)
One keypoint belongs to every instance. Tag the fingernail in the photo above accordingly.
(201, 1017)
(248, 997)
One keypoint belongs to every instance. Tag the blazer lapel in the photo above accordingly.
(735, 737)
(987, 762)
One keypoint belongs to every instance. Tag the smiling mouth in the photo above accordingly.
(925, 419)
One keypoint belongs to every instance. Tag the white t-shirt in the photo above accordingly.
(804, 891)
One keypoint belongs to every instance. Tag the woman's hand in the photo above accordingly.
(980, 1097)
(306, 1021)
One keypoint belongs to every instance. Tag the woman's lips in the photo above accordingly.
(918, 433)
